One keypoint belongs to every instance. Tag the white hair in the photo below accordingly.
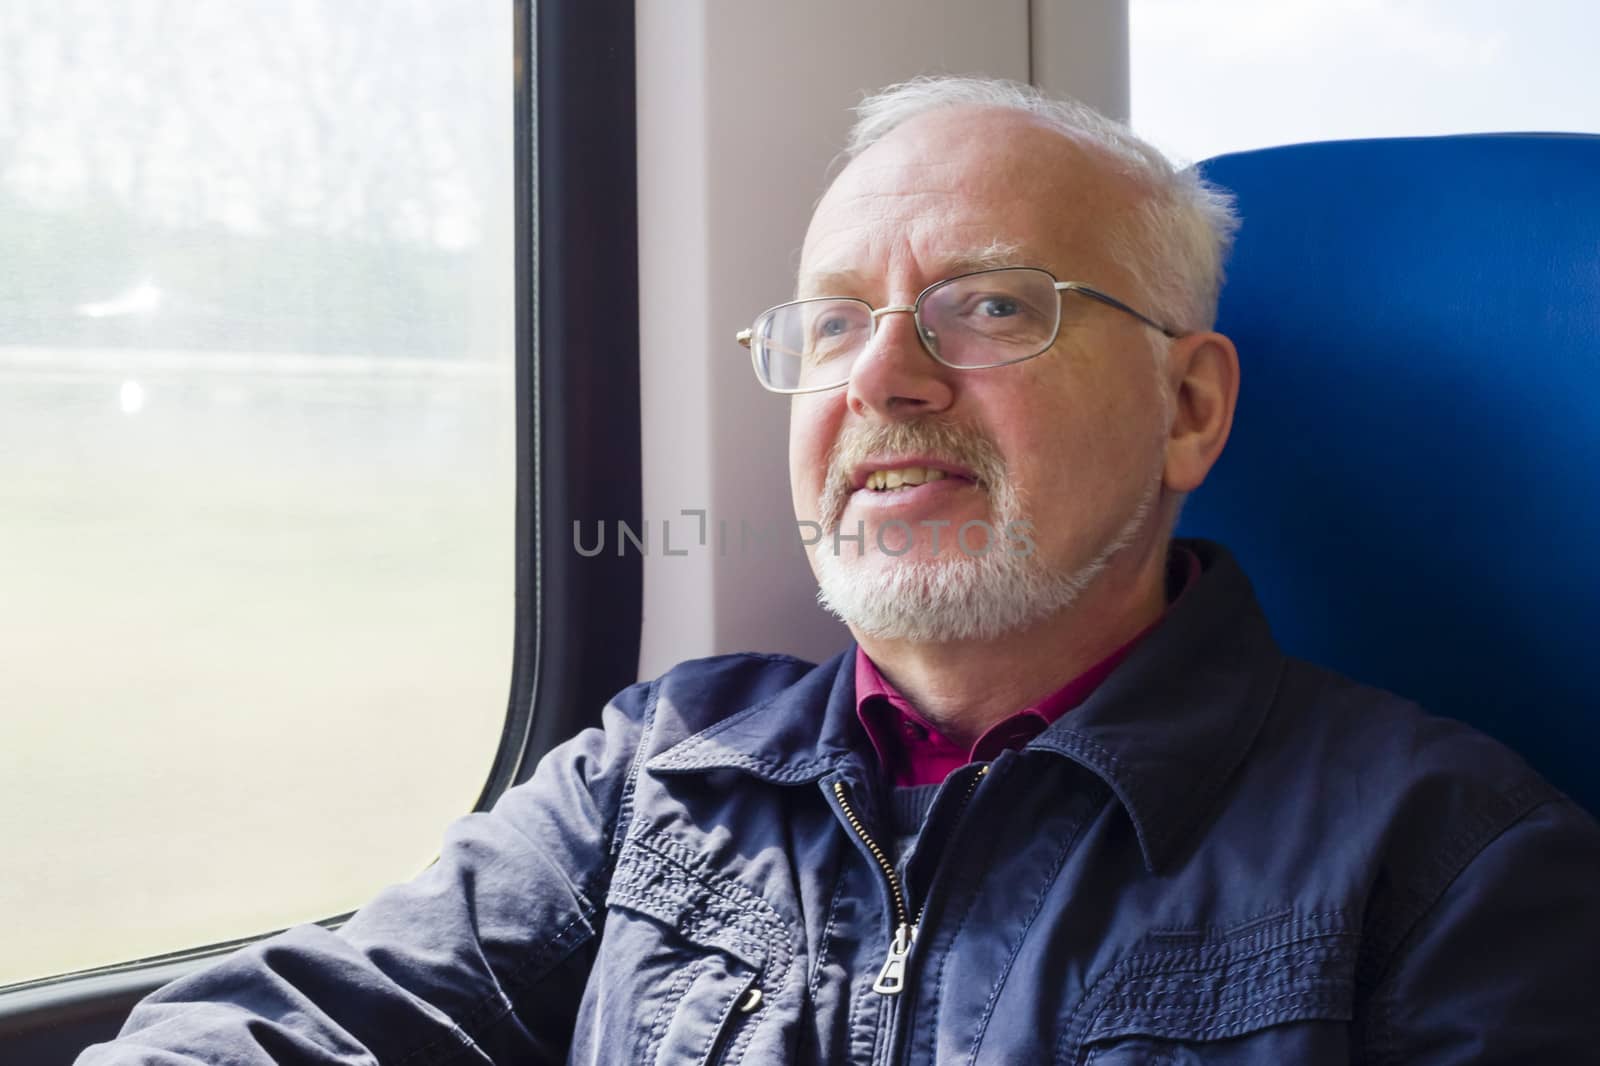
(1174, 243)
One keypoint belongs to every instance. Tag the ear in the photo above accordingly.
(1202, 374)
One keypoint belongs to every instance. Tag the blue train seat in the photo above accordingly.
(1413, 480)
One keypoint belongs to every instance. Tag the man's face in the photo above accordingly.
(1072, 441)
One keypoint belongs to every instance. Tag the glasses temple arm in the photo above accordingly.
(1112, 301)
(743, 337)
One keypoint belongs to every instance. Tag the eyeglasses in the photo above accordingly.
(974, 321)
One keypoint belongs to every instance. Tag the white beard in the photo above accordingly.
(961, 596)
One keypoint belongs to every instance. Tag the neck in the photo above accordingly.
(965, 687)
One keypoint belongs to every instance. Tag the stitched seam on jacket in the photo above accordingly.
(734, 903)
(1257, 1013)
(736, 1050)
(1200, 800)
(773, 769)
(1240, 950)
(619, 828)
(462, 1043)
(858, 1025)
(1481, 830)
(493, 1008)
(669, 1003)
(1232, 1006)
(702, 930)
(721, 726)
(1197, 934)
(1294, 1008)
(814, 982)
(1184, 979)
(1383, 1040)
(680, 760)
(1156, 839)
(724, 1020)
(671, 880)
(966, 915)
(1259, 941)
(1092, 810)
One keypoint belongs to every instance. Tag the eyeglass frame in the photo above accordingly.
(745, 336)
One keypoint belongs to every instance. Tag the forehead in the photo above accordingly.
(961, 189)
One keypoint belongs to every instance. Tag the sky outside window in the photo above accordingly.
(1225, 75)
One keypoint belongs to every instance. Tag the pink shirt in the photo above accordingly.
(912, 752)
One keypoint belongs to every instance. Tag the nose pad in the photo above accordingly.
(908, 309)
(876, 343)
(897, 375)
(926, 337)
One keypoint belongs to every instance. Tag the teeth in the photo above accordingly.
(882, 480)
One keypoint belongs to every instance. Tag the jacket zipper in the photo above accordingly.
(892, 975)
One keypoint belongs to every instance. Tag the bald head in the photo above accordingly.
(971, 186)
(1173, 242)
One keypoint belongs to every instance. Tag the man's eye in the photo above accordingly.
(832, 330)
(998, 307)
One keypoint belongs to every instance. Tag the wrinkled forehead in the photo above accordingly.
(966, 188)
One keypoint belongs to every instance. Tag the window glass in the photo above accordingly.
(256, 459)
(1226, 75)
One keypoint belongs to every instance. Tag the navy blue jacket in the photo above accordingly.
(1225, 856)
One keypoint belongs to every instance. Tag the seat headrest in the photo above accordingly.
(1413, 479)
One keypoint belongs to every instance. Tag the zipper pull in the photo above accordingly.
(892, 978)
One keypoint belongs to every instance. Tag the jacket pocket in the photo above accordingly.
(690, 959)
(1280, 991)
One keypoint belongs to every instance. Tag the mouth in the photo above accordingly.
(911, 490)
(900, 475)
(906, 471)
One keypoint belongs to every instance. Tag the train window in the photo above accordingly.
(1227, 75)
(257, 459)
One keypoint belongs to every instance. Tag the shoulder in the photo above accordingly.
(733, 675)
(1393, 755)
(699, 693)
(1475, 881)
(585, 785)
(1377, 801)
(1436, 808)
(653, 715)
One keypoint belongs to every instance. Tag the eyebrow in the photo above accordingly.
(843, 282)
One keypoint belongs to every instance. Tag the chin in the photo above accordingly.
(960, 598)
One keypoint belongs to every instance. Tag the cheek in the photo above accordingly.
(812, 429)
(1073, 460)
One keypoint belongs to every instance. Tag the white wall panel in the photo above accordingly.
(1081, 50)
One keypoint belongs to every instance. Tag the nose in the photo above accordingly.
(894, 377)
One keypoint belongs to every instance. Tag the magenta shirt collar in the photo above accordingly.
(912, 752)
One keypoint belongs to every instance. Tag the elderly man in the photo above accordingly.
(1065, 801)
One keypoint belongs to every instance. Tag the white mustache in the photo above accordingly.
(955, 443)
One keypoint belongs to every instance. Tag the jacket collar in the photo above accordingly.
(1169, 727)
(1165, 731)
(780, 739)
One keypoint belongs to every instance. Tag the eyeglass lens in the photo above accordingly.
(975, 320)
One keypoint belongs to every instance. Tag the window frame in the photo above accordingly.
(577, 620)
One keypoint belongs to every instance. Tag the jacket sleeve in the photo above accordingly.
(481, 959)
(1503, 969)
